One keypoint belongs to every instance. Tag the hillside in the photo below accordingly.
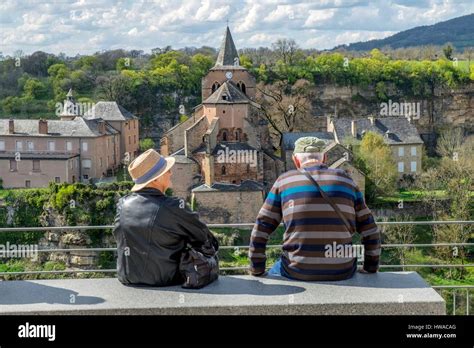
(457, 31)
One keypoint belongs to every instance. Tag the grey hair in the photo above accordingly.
(304, 157)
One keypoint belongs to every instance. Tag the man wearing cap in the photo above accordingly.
(152, 229)
(312, 225)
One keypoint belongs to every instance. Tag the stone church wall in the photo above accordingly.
(228, 207)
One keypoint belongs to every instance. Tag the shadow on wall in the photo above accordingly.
(236, 286)
(379, 280)
(26, 292)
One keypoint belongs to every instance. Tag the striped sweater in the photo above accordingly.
(313, 229)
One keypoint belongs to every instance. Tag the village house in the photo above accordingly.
(398, 132)
(74, 148)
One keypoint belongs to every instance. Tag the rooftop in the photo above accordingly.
(109, 111)
(401, 131)
(227, 55)
(78, 127)
(228, 93)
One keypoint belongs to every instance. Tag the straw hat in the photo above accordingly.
(147, 167)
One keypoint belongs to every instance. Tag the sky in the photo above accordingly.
(88, 26)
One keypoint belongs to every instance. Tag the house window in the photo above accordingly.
(86, 164)
(128, 125)
(135, 124)
(36, 166)
(237, 136)
(19, 145)
(224, 136)
(401, 167)
(2, 145)
(86, 177)
(30, 145)
(57, 179)
(13, 166)
(27, 183)
(401, 151)
(71, 164)
(413, 150)
(413, 166)
(223, 170)
(134, 139)
(85, 146)
(51, 145)
(68, 145)
(129, 139)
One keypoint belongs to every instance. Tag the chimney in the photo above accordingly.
(43, 126)
(11, 126)
(354, 128)
(372, 120)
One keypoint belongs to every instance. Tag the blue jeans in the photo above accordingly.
(278, 271)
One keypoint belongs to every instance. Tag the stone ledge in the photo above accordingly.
(385, 293)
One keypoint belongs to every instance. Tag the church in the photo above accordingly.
(224, 156)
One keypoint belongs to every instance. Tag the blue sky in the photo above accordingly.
(87, 26)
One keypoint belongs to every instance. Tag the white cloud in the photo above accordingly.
(86, 26)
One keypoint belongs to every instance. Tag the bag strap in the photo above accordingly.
(327, 199)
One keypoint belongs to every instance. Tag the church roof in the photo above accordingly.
(228, 93)
(227, 53)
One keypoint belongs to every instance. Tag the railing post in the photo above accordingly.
(454, 302)
(467, 301)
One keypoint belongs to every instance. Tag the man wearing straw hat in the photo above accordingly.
(152, 229)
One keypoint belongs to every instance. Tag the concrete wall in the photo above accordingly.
(228, 207)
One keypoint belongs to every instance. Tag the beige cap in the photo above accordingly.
(147, 167)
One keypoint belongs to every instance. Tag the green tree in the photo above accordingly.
(378, 164)
(146, 144)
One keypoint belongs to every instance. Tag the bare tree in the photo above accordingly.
(286, 50)
(285, 106)
(399, 234)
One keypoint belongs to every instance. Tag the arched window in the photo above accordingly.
(224, 136)
(242, 87)
(215, 86)
(223, 170)
(237, 136)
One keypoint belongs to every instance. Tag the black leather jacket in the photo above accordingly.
(151, 231)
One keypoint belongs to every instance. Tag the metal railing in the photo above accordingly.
(454, 288)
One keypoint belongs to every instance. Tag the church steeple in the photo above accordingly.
(228, 53)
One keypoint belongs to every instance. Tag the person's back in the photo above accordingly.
(316, 241)
(151, 229)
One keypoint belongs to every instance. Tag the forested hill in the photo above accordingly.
(457, 31)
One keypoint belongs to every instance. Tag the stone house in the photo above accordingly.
(398, 132)
(71, 149)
